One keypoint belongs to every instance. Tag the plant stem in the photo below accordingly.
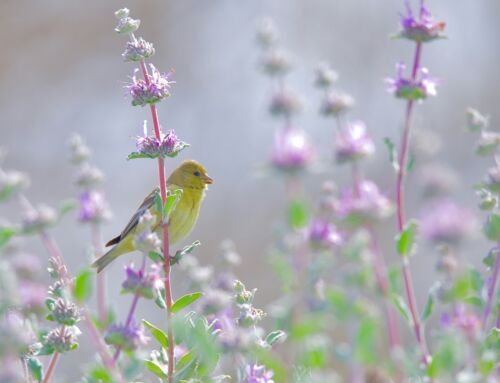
(405, 267)
(101, 279)
(51, 368)
(492, 293)
(166, 256)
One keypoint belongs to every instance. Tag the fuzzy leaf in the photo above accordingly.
(158, 202)
(171, 202)
(185, 301)
(83, 286)
(277, 336)
(429, 305)
(393, 154)
(36, 369)
(158, 334)
(179, 254)
(160, 300)
(403, 309)
(155, 369)
(155, 257)
(406, 240)
(6, 233)
(492, 227)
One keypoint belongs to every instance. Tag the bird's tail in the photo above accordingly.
(106, 259)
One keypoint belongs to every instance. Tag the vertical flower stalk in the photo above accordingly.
(492, 292)
(420, 29)
(151, 89)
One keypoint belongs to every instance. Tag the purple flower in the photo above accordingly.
(38, 219)
(62, 339)
(323, 235)
(267, 33)
(150, 147)
(365, 204)
(128, 337)
(409, 89)
(445, 221)
(137, 50)
(464, 320)
(336, 103)
(89, 176)
(258, 374)
(422, 28)
(325, 76)
(93, 207)
(144, 284)
(65, 312)
(285, 103)
(353, 143)
(32, 296)
(157, 89)
(275, 62)
(292, 150)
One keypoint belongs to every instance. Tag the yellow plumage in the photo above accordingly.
(192, 178)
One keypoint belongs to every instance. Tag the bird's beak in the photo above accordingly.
(207, 179)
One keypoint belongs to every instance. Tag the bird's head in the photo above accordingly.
(190, 174)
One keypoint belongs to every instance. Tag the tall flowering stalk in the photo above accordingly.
(151, 89)
(420, 29)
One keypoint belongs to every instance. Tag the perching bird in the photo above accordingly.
(193, 179)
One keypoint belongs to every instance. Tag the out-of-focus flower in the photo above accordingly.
(142, 283)
(409, 89)
(353, 143)
(228, 253)
(422, 28)
(127, 25)
(26, 265)
(145, 239)
(492, 179)
(79, 151)
(438, 179)
(138, 49)
(285, 103)
(267, 33)
(488, 143)
(38, 219)
(15, 337)
(62, 339)
(445, 221)
(12, 182)
(93, 207)
(323, 235)
(325, 76)
(465, 321)
(336, 103)
(32, 296)
(150, 147)
(250, 316)
(121, 13)
(150, 93)
(128, 337)
(65, 312)
(89, 176)
(258, 374)
(292, 150)
(214, 301)
(475, 120)
(276, 62)
(367, 204)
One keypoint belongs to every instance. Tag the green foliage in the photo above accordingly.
(158, 334)
(405, 241)
(298, 214)
(6, 233)
(173, 198)
(366, 337)
(83, 285)
(393, 154)
(36, 369)
(185, 301)
(492, 227)
(402, 307)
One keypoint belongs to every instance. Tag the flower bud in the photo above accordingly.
(127, 25)
(138, 50)
(325, 76)
(65, 313)
(412, 89)
(276, 63)
(122, 13)
(336, 103)
(62, 339)
(285, 103)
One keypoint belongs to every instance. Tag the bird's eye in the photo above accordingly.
(197, 173)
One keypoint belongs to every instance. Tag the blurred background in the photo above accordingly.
(62, 72)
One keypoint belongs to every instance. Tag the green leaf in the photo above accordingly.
(429, 305)
(405, 241)
(173, 198)
(6, 233)
(298, 214)
(489, 260)
(158, 334)
(36, 369)
(401, 306)
(277, 336)
(179, 254)
(101, 374)
(158, 202)
(155, 257)
(393, 154)
(155, 369)
(366, 340)
(83, 285)
(185, 301)
(492, 227)
(160, 300)
(411, 162)
(66, 206)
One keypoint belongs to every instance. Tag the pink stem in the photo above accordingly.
(166, 255)
(51, 368)
(405, 267)
(101, 280)
(492, 294)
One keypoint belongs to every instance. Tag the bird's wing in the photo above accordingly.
(145, 205)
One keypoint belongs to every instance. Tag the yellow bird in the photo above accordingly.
(193, 179)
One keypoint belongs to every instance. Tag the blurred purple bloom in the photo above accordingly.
(26, 265)
(445, 221)
(353, 143)
(138, 50)
(292, 149)
(38, 219)
(285, 103)
(267, 33)
(464, 320)
(422, 28)
(157, 89)
(275, 62)
(142, 283)
(89, 176)
(323, 235)
(365, 204)
(408, 89)
(476, 121)
(258, 374)
(62, 339)
(336, 103)
(32, 296)
(128, 337)
(325, 76)
(93, 207)
(438, 179)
